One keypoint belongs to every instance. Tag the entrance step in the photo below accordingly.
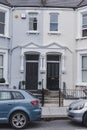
(51, 98)
(37, 94)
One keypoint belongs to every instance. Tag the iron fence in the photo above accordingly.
(74, 94)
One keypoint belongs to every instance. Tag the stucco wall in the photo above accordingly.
(65, 38)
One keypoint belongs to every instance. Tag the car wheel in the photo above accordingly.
(18, 120)
(85, 120)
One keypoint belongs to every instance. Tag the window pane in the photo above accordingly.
(1, 60)
(84, 76)
(84, 62)
(54, 18)
(32, 57)
(53, 58)
(5, 95)
(2, 28)
(84, 32)
(2, 17)
(53, 27)
(1, 73)
(17, 95)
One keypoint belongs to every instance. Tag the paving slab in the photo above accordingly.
(54, 112)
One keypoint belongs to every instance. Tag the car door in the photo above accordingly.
(6, 104)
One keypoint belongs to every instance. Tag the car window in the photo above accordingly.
(17, 95)
(5, 95)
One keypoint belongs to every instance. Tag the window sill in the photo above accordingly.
(4, 36)
(54, 33)
(81, 38)
(81, 84)
(32, 32)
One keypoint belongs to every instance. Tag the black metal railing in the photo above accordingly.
(73, 94)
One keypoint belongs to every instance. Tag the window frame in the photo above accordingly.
(79, 81)
(3, 23)
(2, 67)
(5, 65)
(83, 69)
(53, 31)
(6, 28)
(80, 13)
(84, 28)
(33, 15)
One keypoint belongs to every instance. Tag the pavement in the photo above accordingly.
(54, 112)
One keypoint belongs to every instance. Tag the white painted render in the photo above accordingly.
(67, 42)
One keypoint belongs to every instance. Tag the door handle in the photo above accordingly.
(9, 104)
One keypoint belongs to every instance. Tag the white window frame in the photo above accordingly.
(33, 15)
(58, 32)
(82, 24)
(83, 69)
(79, 15)
(80, 53)
(5, 64)
(54, 23)
(3, 23)
(6, 29)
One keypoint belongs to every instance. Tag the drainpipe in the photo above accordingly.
(11, 41)
(43, 2)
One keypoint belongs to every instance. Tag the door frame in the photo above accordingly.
(58, 54)
(31, 61)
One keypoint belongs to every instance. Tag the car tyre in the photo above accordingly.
(19, 120)
(85, 120)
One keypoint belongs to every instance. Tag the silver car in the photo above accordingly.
(77, 111)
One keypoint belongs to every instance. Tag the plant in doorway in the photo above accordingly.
(22, 84)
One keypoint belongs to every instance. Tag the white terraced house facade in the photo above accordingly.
(43, 43)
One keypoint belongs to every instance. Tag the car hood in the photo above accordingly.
(75, 103)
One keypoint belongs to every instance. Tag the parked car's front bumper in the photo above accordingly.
(75, 115)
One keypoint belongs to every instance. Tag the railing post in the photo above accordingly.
(59, 97)
(42, 94)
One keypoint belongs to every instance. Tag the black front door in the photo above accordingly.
(31, 76)
(53, 76)
(32, 71)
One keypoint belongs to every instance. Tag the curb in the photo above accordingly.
(47, 118)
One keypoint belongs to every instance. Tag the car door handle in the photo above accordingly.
(9, 104)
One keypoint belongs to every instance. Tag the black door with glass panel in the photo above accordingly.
(53, 72)
(31, 72)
